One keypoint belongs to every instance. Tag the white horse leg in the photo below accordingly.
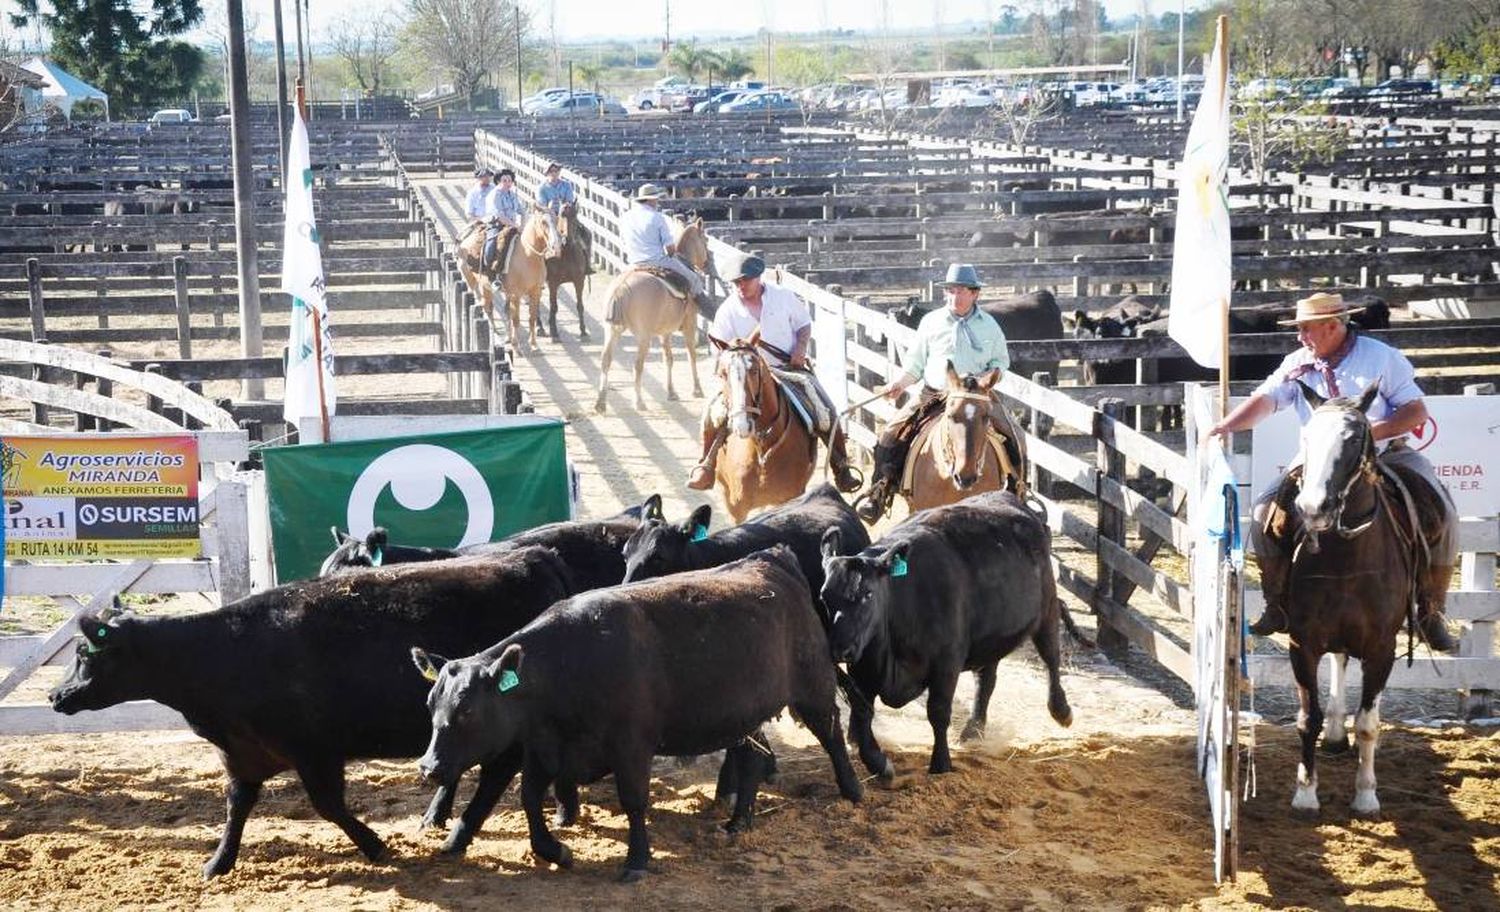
(1366, 737)
(1309, 722)
(610, 338)
(666, 355)
(643, 348)
(1335, 730)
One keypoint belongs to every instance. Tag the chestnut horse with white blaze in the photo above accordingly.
(956, 455)
(648, 307)
(769, 454)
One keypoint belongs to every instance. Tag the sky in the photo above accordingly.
(628, 19)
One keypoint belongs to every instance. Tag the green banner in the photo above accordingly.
(437, 490)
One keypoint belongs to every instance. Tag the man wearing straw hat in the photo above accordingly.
(1335, 360)
(971, 340)
(646, 238)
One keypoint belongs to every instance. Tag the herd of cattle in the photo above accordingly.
(579, 650)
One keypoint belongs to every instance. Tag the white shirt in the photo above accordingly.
(1370, 360)
(782, 316)
(474, 203)
(644, 233)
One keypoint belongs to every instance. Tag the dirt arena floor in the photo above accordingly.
(1106, 815)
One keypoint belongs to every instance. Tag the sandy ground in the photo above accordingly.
(1105, 815)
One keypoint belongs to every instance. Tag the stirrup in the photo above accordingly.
(703, 482)
(1265, 625)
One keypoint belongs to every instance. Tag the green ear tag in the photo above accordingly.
(103, 631)
(700, 532)
(376, 557)
(898, 566)
(508, 680)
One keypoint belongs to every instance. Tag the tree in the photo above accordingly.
(729, 65)
(686, 58)
(471, 39)
(122, 47)
(367, 45)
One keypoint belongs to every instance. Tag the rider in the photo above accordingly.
(474, 202)
(959, 333)
(647, 239)
(1335, 360)
(555, 192)
(504, 211)
(785, 327)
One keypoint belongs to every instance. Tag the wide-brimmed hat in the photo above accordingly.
(483, 172)
(1320, 306)
(551, 166)
(962, 274)
(649, 192)
(749, 267)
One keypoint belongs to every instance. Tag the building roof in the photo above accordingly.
(14, 75)
(61, 83)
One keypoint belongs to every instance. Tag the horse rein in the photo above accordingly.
(753, 408)
(950, 447)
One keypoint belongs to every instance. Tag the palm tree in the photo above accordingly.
(687, 58)
(730, 65)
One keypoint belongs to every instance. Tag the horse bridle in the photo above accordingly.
(1366, 470)
(949, 447)
(753, 408)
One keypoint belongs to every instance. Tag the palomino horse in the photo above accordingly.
(769, 454)
(954, 457)
(648, 307)
(1353, 578)
(539, 239)
(569, 267)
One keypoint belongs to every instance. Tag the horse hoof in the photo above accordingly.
(1365, 804)
(1335, 746)
(971, 732)
(633, 875)
(672, 396)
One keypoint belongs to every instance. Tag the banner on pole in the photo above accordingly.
(434, 490)
(309, 368)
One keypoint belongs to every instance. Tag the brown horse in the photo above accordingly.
(1353, 581)
(648, 307)
(953, 457)
(571, 266)
(539, 239)
(769, 454)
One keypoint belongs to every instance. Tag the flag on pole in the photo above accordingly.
(309, 389)
(1201, 252)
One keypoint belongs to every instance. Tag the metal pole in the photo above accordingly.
(1181, 14)
(519, 92)
(301, 60)
(281, 124)
(306, 82)
(244, 195)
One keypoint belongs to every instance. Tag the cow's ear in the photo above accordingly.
(506, 670)
(651, 508)
(339, 536)
(430, 664)
(989, 378)
(1368, 396)
(1081, 320)
(696, 527)
(954, 380)
(100, 631)
(832, 543)
(375, 543)
(894, 560)
(1311, 395)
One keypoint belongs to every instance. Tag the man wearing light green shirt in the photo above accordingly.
(959, 333)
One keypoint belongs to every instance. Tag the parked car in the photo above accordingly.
(1265, 88)
(688, 99)
(965, 97)
(579, 103)
(172, 116)
(757, 102)
(710, 105)
(1130, 93)
(544, 97)
(1403, 88)
(649, 98)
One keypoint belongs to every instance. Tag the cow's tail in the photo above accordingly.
(1072, 627)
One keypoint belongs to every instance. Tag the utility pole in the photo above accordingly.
(280, 91)
(1181, 14)
(519, 92)
(244, 195)
(306, 82)
(301, 60)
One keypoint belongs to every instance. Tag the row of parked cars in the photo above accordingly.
(562, 102)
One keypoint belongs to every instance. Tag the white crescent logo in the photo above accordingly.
(417, 475)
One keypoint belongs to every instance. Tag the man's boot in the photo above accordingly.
(844, 477)
(701, 478)
(1430, 620)
(870, 506)
(1275, 574)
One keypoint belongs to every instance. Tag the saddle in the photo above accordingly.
(676, 283)
(927, 425)
(800, 388)
(1282, 525)
(504, 243)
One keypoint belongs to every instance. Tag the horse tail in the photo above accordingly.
(618, 292)
(1072, 627)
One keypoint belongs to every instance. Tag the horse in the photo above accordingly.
(1353, 580)
(769, 455)
(644, 304)
(952, 458)
(570, 266)
(527, 272)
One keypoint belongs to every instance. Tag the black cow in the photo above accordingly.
(602, 682)
(658, 547)
(1026, 316)
(591, 549)
(950, 588)
(313, 674)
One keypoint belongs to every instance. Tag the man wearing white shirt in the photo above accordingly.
(474, 203)
(785, 327)
(646, 238)
(1336, 361)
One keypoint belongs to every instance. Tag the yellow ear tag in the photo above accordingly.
(430, 673)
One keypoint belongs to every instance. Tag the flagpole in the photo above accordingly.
(317, 320)
(1221, 39)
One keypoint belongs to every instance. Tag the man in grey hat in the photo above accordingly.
(785, 328)
(474, 203)
(1335, 361)
(646, 238)
(555, 191)
(961, 334)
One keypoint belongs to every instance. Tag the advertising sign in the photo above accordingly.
(92, 496)
(433, 490)
(1461, 437)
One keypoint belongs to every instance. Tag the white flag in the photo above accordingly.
(302, 278)
(1201, 252)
